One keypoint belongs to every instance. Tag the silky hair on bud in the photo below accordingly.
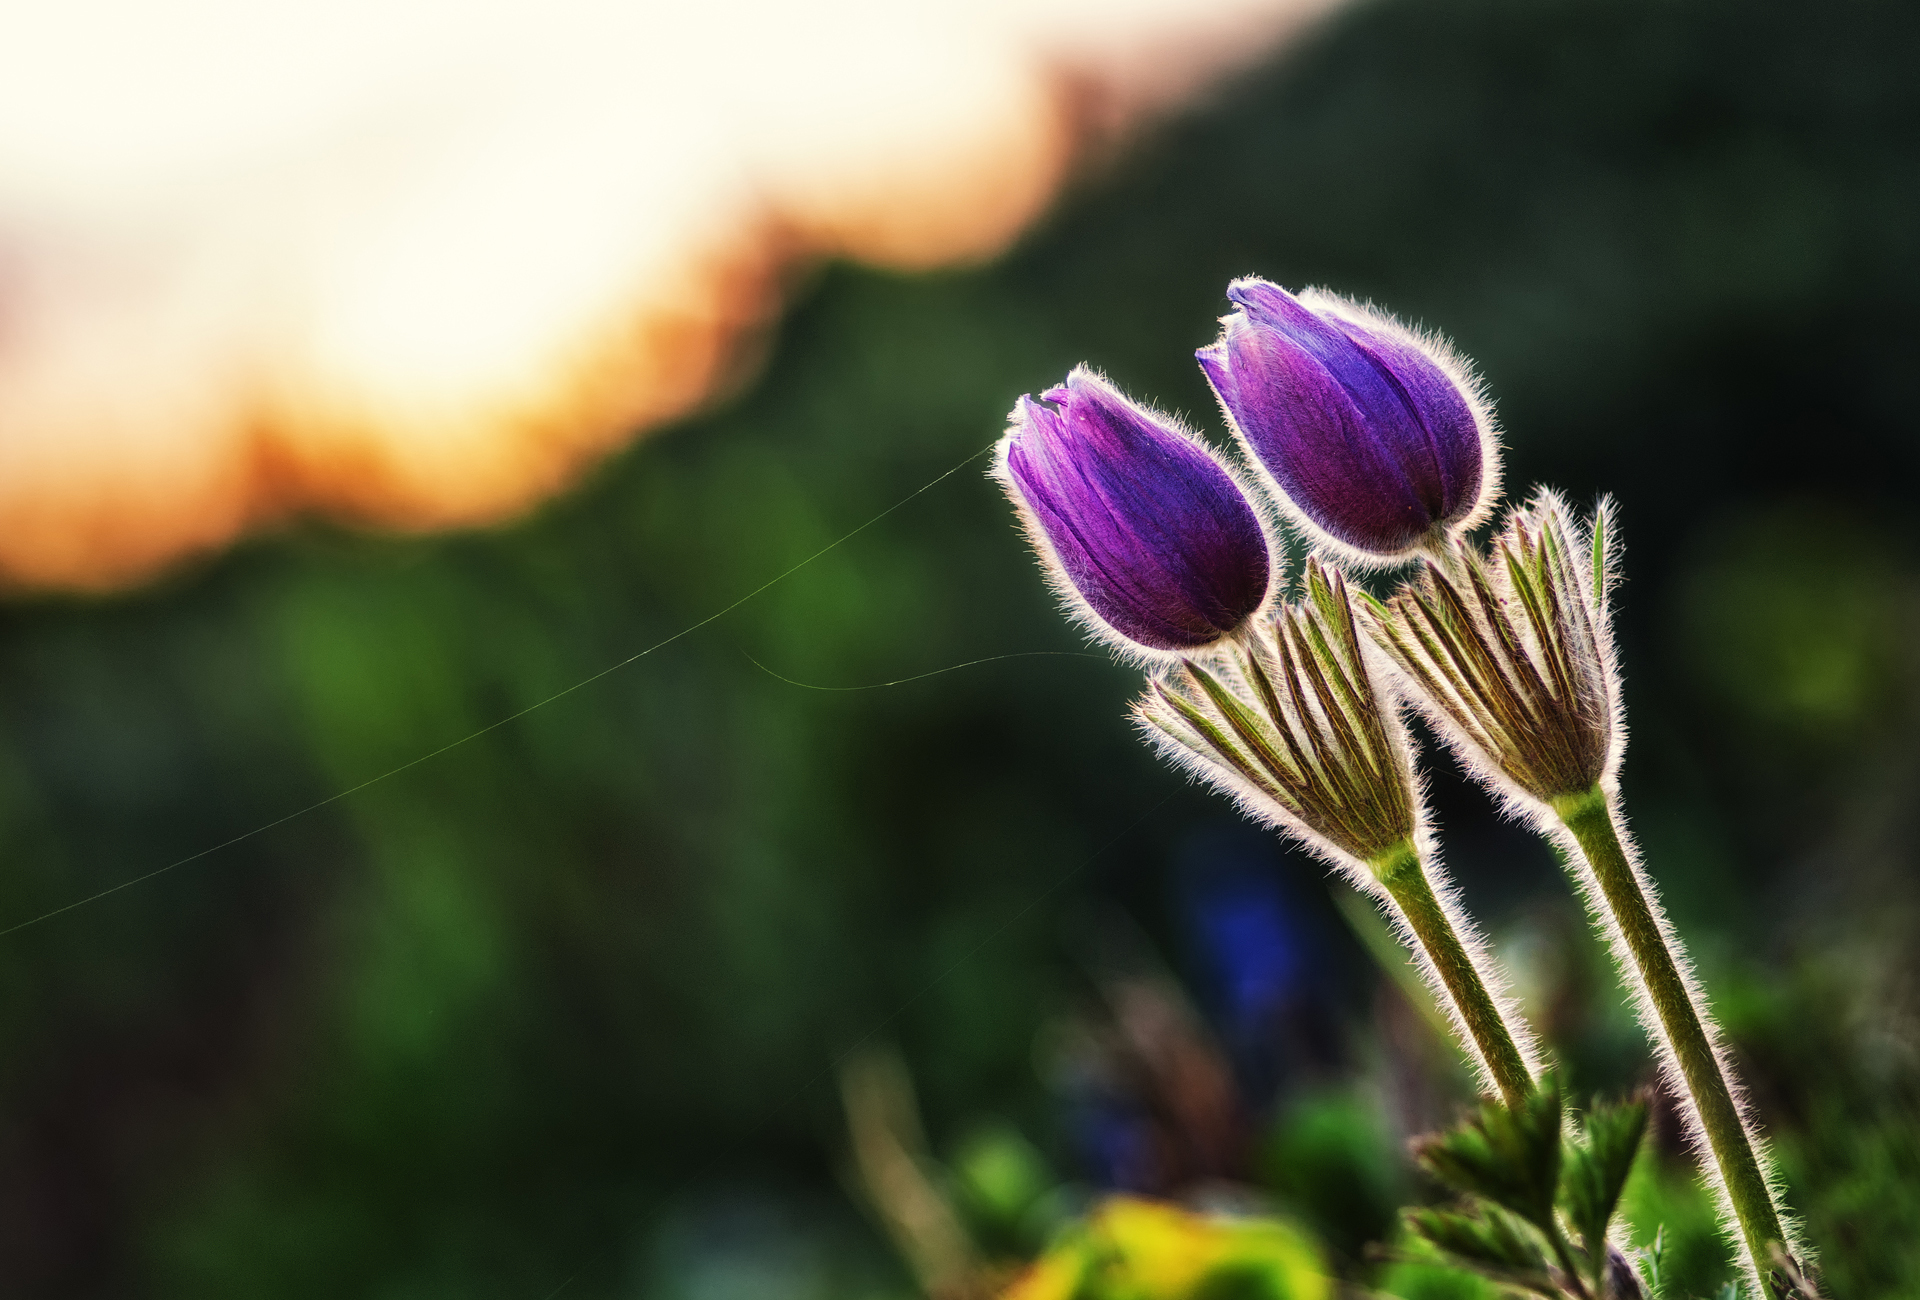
(1381, 349)
(1187, 752)
(1293, 722)
(1456, 366)
(1074, 602)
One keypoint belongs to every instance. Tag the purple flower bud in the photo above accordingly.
(1134, 517)
(1375, 436)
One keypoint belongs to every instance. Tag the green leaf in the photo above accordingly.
(1510, 1157)
(1596, 1167)
(1487, 1240)
(1242, 1281)
(1600, 554)
(1653, 1258)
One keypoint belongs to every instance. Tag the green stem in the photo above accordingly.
(1399, 869)
(1589, 817)
(1438, 546)
(1564, 1253)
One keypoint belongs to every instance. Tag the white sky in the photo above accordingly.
(417, 262)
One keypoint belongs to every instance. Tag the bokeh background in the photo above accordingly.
(564, 1008)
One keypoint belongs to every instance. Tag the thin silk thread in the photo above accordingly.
(501, 722)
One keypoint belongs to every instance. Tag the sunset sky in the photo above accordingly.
(418, 265)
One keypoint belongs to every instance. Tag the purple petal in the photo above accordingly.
(1149, 528)
(1363, 431)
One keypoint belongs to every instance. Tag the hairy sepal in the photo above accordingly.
(1510, 656)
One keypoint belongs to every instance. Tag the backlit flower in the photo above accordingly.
(1510, 653)
(1139, 524)
(1376, 436)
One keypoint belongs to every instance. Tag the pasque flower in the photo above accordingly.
(1376, 439)
(1143, 530)
(1512, 653)
(1294, 724)
(1150, 539)
(1511, 657)
(1374, 434)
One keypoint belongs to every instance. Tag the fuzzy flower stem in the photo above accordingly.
(1446, 557)
(1400, 871)
(1589, 818)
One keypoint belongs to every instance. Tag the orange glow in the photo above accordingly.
(417, 263)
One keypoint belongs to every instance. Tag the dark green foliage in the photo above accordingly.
(1852, 1161)
(1416, 1280)
(1597, 1164)
(1242, 1282)
(1489, 1241)
(1006, 1191)
(1334, 1164)
(1653, 1262)
(1666, 1202)
(1509, 1157)
(1525, 1177)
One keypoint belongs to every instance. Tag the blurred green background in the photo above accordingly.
(560, 1008)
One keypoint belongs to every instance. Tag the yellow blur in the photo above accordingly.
(1132, 1249)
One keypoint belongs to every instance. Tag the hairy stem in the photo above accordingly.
(1589, 817)
(1399, 869)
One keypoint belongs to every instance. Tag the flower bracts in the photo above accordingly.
(1293, 724)
(1376, 442)
(1512, 652)
(1511, 655)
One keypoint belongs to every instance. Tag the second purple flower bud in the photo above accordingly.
(1139, 524)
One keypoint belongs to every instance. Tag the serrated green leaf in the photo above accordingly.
(1488, 1236)
(1488, 1241)
(1510, 1157)
(1596, 1167)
